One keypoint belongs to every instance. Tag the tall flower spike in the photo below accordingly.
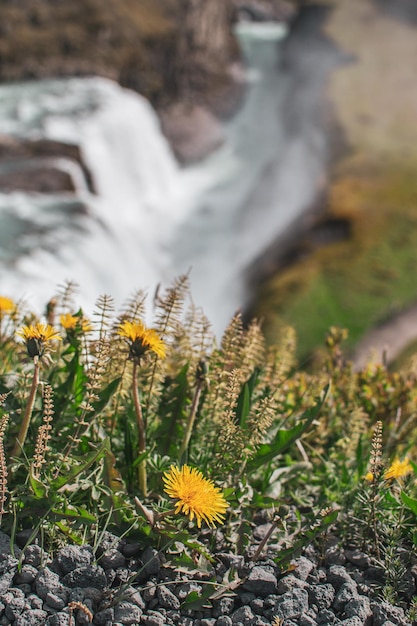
(141, 340)
(37, 337)
(197, 496)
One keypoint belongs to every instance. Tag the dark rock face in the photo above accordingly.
(157, 48)
(40, 166)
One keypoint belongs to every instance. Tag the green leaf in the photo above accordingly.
(39, 489)
(59, 482)
(173, 412)
(74, 513)
(196, 601)
(284, 438)
(106, 394)
(410, 503)
(244, 402)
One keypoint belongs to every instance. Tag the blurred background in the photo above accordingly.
(267, 147)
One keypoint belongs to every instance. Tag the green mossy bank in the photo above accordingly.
(370, 274)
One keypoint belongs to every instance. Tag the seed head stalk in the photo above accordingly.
(142, 478)
(191, 419)
(24, 426)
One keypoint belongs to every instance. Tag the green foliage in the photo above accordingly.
(308, 450)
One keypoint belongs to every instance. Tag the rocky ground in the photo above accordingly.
(121, 583)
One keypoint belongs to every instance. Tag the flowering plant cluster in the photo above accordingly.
(152, 429)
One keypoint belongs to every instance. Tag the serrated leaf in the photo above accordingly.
(75, 513)
(61, 481)
(196, 601)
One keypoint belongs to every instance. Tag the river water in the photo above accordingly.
(152, 219)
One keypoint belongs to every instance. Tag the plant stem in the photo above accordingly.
(141, 431)
(264, 540)
(191, 418)
(20, 440)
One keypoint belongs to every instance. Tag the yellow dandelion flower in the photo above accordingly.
(141, 339)
(369, 477)
(197, 496)
(6, 305)
(398, 469)
(74, 322)
(37, 336)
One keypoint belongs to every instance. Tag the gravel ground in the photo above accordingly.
(124, 584)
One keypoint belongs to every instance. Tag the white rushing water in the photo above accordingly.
(152, 220)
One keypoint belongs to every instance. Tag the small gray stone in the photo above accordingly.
(246, 597)
(47, 581)
(149, 593)
(244, 615)
(223, 606)
(337, 576)
(54, 601)
(154, 618)
(232, 561)
(130, 550)
(303, 567)
(58, 619)
(86, 576)
(257, 606)
(34, 601)
(291, 605)
(167, 599)
(260, 532)
(82, 617)
(73, 557)
(347, 592)
(321, 595)
(35, 555)
(173, 616)
(14, 607)
(224, 620)
(384, 611)
(134, 595)
(306, 620)
(290, 582)
(31, 617)
(8, 569)
(261, 582)
(261, 621)
(352, 621)
(151, 562)
(102, 618)
(112, 559)
(26, 575)
(5, 547)
(327, 618)
(127, 613)
(375, 573)
(109, 542)
(359, 607)
(358, 558)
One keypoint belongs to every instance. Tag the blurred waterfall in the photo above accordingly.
(150, 219)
